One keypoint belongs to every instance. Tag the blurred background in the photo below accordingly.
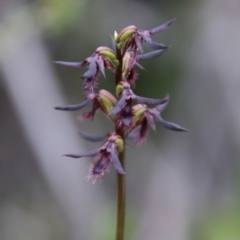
(180, 186)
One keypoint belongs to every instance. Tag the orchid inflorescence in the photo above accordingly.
(129, 112)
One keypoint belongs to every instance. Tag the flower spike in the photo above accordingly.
(129, 112)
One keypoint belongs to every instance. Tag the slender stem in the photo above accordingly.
(120, 177)
(118, 75)
(121, 202)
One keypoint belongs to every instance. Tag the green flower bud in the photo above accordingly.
(138, 112)
(107, 101)
(120, 145)
(126, 33)
(107, 52)
(119, 89)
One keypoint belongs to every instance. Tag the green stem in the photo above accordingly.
(120, 177)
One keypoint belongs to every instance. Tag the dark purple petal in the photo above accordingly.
(170, 125)
(93, 138)
(89, 84)
(100, 165)
(162, 27)
(156, 45)
(95, 107)
(143, 131)
(150, 55)
(126, 115)
(140, 133)
(70, 64)
(73, 107)
(121, 103)
(92, 70)
(115, 161)
(88, 154)
(132, 77)
(144, 100)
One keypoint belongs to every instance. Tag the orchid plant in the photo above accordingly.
(129, 112)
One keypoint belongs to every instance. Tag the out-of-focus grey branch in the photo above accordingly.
(34, 91)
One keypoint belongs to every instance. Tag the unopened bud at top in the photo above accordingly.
(126, 33)
(115, 36)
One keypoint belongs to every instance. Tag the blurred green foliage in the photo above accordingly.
(219, 224)
(59, 17)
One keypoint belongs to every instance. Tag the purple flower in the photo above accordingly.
(132, 37)
(102, 58)
(103, 156)
(123, 107)
(144, 116)
(103, 100)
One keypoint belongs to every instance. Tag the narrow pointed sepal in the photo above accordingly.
(162, 27)
(150, 55)
(70, 64)
(170, 125)
(144, 100)
(140, 66)
(93, 138)
(162, 106)
(156, 45)
(88, 154)
(73, 107)
(115, 161)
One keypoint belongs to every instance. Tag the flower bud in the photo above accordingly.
(107, 101)
(138, 112)
(120, 145)
(126, 33)
(119, 89)
(107, 52)
(115, 36)
(126, 65)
